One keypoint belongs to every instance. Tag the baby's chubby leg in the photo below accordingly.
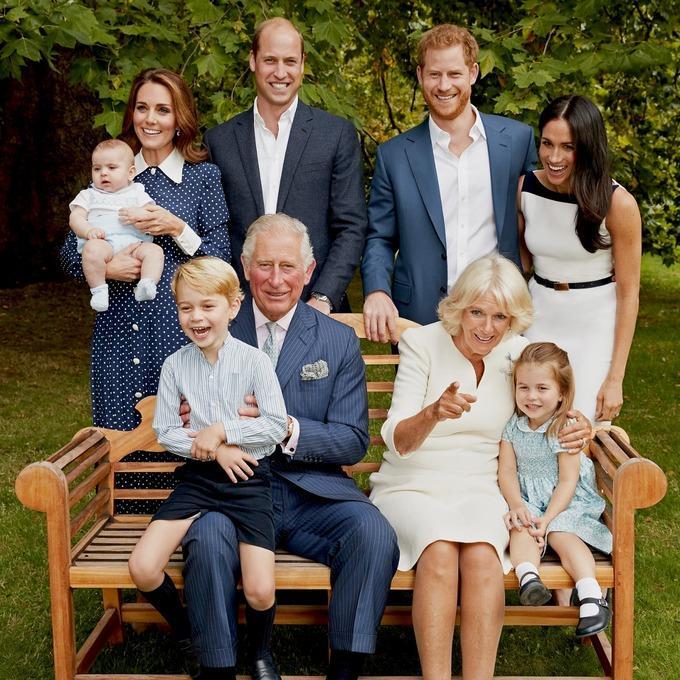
(96, 254)
(152, 258)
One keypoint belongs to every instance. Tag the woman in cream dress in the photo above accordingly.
(438, 485)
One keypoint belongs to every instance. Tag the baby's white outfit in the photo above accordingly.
(102, 212)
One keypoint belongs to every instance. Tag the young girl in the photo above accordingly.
(551, 493)
(228, 469)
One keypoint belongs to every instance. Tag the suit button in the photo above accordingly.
(443, 256)
(442, 290)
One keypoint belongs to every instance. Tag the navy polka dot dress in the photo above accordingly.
(131, 340)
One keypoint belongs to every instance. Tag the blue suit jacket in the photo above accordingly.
(321, 185)
(405, 214)
(332, 411)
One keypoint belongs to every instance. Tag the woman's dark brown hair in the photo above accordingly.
(186, 119)
(591, 183)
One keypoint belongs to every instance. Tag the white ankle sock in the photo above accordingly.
(145, 290)
(588, 587)
(524, 572)
(100, 298)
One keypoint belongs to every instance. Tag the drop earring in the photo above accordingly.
(178, 132)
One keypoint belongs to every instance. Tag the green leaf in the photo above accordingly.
(489, 59)
(28, 48)
(214, 64)
(82, 24)
(330, 31)
(111, 120)
(16, 14)
(527, 75)
(202, 12)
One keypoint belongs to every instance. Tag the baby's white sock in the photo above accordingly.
(145, 290)
(588, 587)
(526, 572)
(100, 298)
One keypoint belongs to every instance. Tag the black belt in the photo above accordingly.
(559, 285)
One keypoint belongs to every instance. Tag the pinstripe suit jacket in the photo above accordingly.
(332, 411)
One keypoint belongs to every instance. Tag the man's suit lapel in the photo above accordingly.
(300, 335)
(299, 134)
(421, 160)
(498, 145)
(245, 140)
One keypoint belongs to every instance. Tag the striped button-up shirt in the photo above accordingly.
(215, 392)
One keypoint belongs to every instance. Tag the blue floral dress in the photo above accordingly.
(538, 473)
(132, 339)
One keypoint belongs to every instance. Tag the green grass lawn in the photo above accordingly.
(44, 396)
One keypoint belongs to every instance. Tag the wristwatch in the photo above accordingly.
(323, 298)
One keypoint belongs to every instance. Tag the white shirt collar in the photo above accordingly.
(286, 117)
(172, 166)
(442, 138)
(523, 425)
(261, 319)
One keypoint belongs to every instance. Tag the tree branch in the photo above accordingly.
(386, 99)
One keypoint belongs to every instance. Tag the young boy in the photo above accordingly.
(229, 469)
(102, 233)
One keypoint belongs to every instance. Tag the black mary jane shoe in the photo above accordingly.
(573, 599)
(264, 669)
(591, 625)
(533, 592)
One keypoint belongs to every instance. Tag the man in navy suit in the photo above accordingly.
(443, 193)
(319, 513)
(284, 156)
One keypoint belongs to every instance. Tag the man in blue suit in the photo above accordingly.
(443, 193)
(319, 513)
(284, 156)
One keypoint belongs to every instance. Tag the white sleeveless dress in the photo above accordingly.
(581, 321)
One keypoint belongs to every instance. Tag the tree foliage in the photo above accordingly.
(360, 65)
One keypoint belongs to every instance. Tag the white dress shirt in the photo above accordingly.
(467, 201)
(281, 329)
(188, 241)
(271, 152)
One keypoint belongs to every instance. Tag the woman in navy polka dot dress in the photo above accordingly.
(131, 341)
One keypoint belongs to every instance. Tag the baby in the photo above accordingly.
(102, 233)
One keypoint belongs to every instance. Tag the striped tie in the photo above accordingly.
(270, 347)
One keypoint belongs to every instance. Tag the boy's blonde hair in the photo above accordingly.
(548, 353)
(116, 145)
(210, 276)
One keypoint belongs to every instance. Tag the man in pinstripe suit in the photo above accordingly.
(319, 512)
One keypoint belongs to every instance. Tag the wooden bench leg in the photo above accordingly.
(112, 600)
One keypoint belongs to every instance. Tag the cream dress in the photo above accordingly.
(448, 488)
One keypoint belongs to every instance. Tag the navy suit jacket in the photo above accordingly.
(332, 411)
(321, 185)
(405, 214)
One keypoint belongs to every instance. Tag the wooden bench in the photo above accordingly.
(89, 544)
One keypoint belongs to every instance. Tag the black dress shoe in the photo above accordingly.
(533, 592)
(264, 669)
(590, 625)
(190, 664)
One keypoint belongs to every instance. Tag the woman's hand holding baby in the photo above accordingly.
(153, 220)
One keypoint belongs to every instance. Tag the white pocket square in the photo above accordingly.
(315, 371)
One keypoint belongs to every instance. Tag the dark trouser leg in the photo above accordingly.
(211, 573)
(358, 544)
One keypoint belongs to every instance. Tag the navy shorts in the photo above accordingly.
(205, 487)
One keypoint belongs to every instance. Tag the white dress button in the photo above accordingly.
(135, 327)
(138, 395)
(135, 361)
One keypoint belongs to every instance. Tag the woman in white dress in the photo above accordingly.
(437, 484)
(578, 227)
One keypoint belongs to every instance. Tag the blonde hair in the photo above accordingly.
(116, 145)
(448, 35)
(278, 222)
(490, 275)
(210, 276)
(554, 357)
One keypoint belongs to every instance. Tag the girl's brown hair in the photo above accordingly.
(186, 118)
(548, 353)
